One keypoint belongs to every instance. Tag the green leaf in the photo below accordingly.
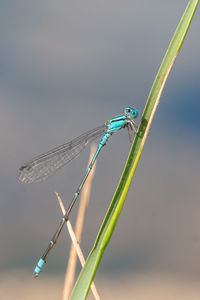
(88, 272)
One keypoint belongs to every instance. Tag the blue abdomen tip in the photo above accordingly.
(38, 267)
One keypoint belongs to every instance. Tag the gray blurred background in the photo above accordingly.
(67, 67)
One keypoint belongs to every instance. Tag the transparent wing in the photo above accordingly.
(42, 166)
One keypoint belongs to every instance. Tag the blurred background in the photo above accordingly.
(67, 67)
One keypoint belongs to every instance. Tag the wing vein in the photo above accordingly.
(42, 166)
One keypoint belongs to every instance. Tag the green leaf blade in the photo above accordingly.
(87, 274)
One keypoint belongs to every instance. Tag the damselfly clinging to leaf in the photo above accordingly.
(46, 164)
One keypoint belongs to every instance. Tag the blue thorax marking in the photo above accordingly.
(115, 124)
(112, 126)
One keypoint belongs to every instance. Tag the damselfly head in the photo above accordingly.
(131, 112)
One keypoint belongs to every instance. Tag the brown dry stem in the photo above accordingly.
(76, 237)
